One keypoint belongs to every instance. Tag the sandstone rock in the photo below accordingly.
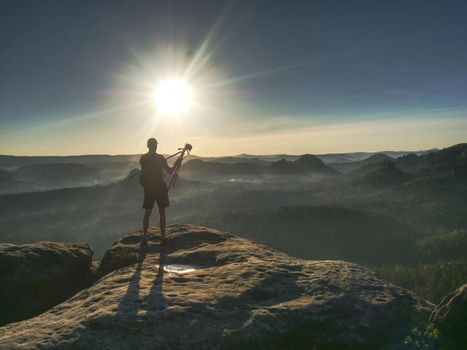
(450, 318)
(207, 289)
(35, 277)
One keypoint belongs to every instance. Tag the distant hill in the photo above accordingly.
(349, 167)
(311, 163)
(45, 176)
(40, 177)
(267, 157)
(233, 159)
(283, 167)
(114, 171)
(305, 164)
(19, 161)
(7, 161)
(201, 168)
(435, 162)
(444, 160)
(343, 157)
(115, 167)
(358, 163)
(66, 172)
(331, 158)
(327, 158)
(373, 163)
(409, 162)
(386, 175)
(365, 169)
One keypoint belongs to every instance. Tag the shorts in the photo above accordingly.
(158, 195)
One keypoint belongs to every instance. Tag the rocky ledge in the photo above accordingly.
(208, 289)
(34, 277)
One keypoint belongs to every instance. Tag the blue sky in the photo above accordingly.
(274, 76)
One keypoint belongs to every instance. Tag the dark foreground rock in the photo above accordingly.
(34, 277)
(211, 290)
(450, 318)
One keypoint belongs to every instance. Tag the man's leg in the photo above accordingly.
(147, 215)
(162, 222)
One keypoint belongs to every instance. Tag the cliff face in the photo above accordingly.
(34, 277)
(209, 289)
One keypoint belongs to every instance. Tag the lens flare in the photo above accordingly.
(173, 97)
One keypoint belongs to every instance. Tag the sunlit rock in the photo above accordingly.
(208, 289)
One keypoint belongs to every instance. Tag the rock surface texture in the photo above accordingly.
(207, 289)
(450, 318)
(35, 277)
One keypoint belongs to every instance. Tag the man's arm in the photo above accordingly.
(171, 169)
(141, 163)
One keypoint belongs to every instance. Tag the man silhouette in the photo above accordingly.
(155, 189)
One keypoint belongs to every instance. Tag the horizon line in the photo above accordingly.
(228, 155)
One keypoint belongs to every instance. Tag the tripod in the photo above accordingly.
(186, 149)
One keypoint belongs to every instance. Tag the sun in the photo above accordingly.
(173, 97)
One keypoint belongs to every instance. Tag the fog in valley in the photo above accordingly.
(403, 215)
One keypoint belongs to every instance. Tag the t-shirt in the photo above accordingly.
(151, 170)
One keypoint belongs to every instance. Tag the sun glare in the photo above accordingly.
(173, 97)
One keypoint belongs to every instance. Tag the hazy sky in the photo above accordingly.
(78, 77)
